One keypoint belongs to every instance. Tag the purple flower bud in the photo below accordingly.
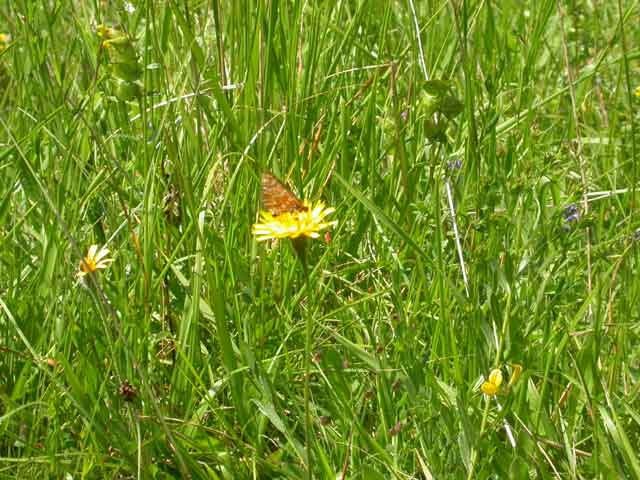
(454, 165)
(571, 213)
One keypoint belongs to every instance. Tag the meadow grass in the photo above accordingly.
(200, 352)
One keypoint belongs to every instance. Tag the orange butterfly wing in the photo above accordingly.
(278, 199)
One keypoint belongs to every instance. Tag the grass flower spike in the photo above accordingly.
(94, 260)
(492, 386)
(307, 222)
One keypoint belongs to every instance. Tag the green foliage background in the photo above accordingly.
(208, 327)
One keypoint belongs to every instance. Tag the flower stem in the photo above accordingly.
(299, 245)
(485, 414)
(307, 375)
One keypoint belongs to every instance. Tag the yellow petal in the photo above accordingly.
(489, 388)
(307, 222)
(515, 374)
(495, 377)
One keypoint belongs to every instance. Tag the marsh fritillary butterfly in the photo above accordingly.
(278, 199)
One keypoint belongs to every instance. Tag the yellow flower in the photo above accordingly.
(95, 260)
(5, 40)
(108, 33)
(492, 386)
(637, 93)
(307, 223)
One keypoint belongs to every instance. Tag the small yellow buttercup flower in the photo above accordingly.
(492, 386)
(94, 260)
(305, 222)
(637, 92)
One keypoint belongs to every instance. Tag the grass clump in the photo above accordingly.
(470, 314)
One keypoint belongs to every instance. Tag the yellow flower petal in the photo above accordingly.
(515, 374)
(495, 377)
(489, 388)
(296, 224)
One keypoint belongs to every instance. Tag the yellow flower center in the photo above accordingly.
(88, 265)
